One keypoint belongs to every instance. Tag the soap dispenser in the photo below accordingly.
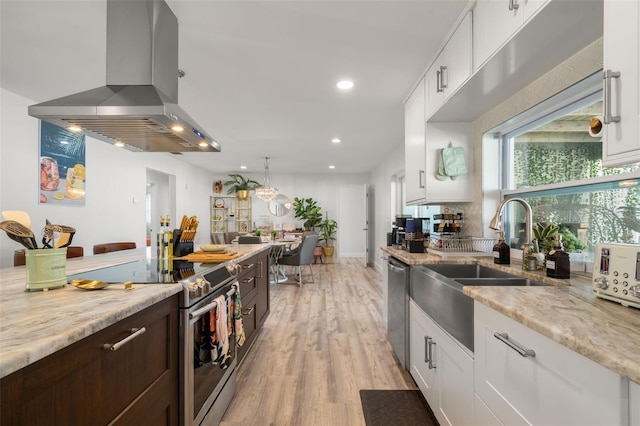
(558, 265)
(501, 251)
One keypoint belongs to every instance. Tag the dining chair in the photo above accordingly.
(301, 256)
(109, 247)
(249, 239)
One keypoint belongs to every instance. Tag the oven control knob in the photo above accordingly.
(601, 282)
(206, 287)
(634, 290)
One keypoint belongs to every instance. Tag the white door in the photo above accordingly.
(352, 221)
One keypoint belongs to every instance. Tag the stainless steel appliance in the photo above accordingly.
(138, 105)
(616, 273)
(206, 388)
(398, 310)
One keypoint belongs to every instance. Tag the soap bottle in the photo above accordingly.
(501, 251)
(558, 265)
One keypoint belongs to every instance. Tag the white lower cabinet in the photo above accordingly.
(634, 404)
(483, 415)
(442, 369)
(550, 386)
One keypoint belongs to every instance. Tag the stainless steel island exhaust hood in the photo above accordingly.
(138, 106)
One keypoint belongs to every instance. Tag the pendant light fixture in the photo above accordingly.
(266, 192)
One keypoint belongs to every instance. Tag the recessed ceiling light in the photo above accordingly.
(243, 167)
(74, 128)
(345, 84)
(177, 128)
(336, 140)
(119, 144)
(332, 167)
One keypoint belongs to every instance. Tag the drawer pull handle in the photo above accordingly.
(249, 311)
(504, 337)
(248, 280)
(135, 332)
(249, 266)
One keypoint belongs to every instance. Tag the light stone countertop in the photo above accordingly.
(603, 331)
(36, 324)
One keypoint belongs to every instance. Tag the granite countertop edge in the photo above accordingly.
(566, 311)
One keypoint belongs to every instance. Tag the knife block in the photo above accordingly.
(181, 248)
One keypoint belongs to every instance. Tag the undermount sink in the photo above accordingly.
(499, 282)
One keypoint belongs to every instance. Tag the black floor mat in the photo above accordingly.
(396, 407)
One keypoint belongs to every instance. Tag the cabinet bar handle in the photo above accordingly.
(430, 345)
(248, 280)
(249, 312)
(260, 269)
(438, 81)
(135, 332)
(608, 118)
(504, 337)
(442, 85)
(421, 178)
(249, 266)
(426, 349)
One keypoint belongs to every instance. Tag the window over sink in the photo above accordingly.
(549, 157)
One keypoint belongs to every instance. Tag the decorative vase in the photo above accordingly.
(328, 251)
(242, 194)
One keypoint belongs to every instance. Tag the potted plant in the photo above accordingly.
(308, 210)
(327, 234)
(240, 185)
(273, 234)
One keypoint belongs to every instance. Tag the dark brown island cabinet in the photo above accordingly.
(86, 384)
(254, 291)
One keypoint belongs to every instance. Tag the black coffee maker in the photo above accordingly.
(396, 237)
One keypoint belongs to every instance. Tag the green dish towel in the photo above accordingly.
(452, 163)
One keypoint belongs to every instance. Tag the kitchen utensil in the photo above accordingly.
(88, 284)
(18, 216)
(63, 240)
(24, 234)
(184, 222)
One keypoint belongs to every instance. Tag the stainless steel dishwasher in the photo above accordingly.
(398, 309)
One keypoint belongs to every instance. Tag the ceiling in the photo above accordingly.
(260, 75)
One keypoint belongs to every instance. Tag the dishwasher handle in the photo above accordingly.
(395, 268)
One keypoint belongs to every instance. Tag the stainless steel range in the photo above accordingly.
(207, 384)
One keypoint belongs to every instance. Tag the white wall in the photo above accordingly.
(381, 200)
(116, 187)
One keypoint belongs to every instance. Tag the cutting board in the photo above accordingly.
(211, 257)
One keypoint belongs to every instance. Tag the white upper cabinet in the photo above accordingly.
(496, 21)
(453, 67)
(621, 135)
(414, 146)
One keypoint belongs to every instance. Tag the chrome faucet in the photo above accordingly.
(496, 223)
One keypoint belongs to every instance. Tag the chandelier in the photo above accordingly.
(266, 192)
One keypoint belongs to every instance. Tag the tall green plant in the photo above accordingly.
(328, 229)
(307, 209)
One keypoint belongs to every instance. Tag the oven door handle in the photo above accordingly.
(199, 312)
(206, 308)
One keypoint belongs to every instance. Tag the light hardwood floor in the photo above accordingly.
(320, 345)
